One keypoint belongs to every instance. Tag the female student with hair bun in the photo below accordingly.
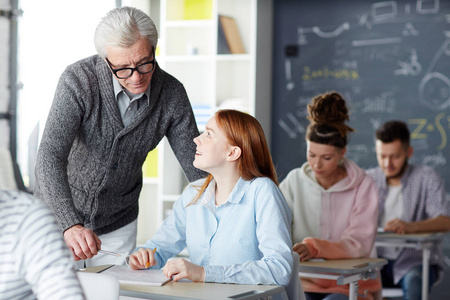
(235, 222)
(334, 203)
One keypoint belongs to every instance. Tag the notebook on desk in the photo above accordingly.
(126, 275)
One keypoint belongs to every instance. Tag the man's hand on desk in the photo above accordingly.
(302, 251)
(83, 242)
(180, 268)
(399, 227)
(438, 224)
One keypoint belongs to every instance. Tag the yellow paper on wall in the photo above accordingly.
(150, 167)
(197, 9)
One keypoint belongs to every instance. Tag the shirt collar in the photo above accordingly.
(207, 198)
(118, 88)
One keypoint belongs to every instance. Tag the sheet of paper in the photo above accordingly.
(144, 277)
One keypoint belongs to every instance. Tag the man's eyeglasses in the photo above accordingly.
(124, 73)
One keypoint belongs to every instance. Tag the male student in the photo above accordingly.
(35, 263)
(412, 200)
(108, 112)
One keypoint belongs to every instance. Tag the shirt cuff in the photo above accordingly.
(214, 274)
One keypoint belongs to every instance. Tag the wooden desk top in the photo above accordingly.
(342, 266)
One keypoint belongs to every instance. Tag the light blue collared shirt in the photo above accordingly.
(129, 103)
(246, 240)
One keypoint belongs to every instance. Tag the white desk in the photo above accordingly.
(344, 271)
(206, 291)
(419, 241)
(198, 290)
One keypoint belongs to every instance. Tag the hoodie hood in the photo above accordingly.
(354, 176)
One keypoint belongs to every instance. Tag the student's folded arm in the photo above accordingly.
(273, 219)
(358, 238)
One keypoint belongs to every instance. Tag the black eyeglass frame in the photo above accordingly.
(153, 62)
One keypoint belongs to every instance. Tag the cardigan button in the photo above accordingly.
(104, 191)
(116, 166)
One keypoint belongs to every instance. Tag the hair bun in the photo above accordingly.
(329, 109)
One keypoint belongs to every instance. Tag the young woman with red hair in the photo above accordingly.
(235, 222)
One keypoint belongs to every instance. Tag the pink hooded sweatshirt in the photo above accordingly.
(337, 223)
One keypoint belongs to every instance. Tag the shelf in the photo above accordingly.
(189, 40)
(188, 58)
(233, 57)
(189, 23)
(150, 180)
(188, 47)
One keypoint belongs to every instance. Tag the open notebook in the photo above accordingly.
(142, 277)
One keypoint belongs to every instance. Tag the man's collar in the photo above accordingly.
(119, 88)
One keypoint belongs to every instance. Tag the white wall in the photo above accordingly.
(51, 36)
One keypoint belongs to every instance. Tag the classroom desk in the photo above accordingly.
(199, 290)
(419, 241)
(344, 271)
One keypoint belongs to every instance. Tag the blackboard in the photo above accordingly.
(389, 59)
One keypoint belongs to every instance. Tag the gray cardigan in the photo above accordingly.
(89, 167)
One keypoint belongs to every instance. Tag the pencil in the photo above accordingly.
(148, 263)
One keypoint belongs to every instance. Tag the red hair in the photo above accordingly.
(244, 131)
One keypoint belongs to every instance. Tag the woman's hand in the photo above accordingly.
(180, 268)
(302, 251)
(142, 259)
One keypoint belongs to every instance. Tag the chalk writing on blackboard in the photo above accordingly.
(434, 88)
(423, 127)
(389, 60)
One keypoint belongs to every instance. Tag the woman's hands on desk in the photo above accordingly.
(302, 251)
(180, 268)
(143, 258)
(82, 242)
(176, 268)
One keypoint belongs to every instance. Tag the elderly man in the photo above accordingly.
(108, 112)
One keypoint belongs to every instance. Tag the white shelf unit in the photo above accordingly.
(187, 49)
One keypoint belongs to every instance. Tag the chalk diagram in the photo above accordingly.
(412, 67)
(292, 125)
(301, 40)
(434, 88)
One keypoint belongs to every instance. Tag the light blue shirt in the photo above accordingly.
(246, 240)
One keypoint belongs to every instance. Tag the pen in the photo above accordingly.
(109, 253)
(148, 263)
